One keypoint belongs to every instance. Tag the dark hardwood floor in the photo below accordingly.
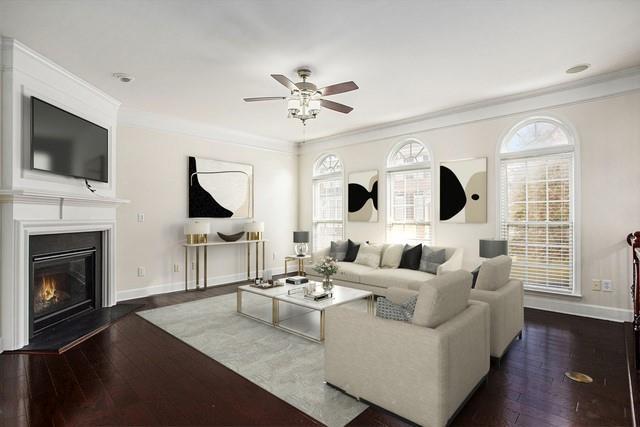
(136, 374)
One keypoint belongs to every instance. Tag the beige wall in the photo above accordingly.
(608, 131)
(152, 170)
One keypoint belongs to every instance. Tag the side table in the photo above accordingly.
(300, 259)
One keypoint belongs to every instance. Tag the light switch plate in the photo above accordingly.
(607, 285)
(596, 285)
(140, 217)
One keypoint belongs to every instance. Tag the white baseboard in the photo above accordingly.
(146, 291)
(578, 309)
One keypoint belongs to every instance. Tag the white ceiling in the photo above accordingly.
(197, 59)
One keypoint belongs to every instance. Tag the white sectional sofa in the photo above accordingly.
(378, 280)
(423, 370)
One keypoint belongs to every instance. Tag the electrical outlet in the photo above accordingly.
(607, 285)
(596, 285)
(193, 265)
(141, 217)
(141, 271)
(176, 268)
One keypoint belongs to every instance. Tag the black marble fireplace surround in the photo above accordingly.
(65, 278)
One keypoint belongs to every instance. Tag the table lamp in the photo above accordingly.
(197, 231)
(254, 230)
(301, 240)
(491, 248)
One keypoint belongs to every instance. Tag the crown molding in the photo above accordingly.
(144, 119)
(600, 86)
(9, 45)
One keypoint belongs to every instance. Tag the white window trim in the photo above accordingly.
(328, 176)
(404, 168)
(573, 147)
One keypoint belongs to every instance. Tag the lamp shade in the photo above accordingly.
(254, 227)
(491, 248)
(300, 237)
(197, 227)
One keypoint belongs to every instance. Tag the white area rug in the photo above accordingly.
(284, 364)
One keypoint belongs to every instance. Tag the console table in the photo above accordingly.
(205, 246)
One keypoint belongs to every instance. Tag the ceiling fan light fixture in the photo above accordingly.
(293, 105)
(304, 102)
(314, 107)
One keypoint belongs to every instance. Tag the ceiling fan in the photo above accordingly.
(306, 99)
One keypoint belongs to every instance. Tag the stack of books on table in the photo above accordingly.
(296, 280)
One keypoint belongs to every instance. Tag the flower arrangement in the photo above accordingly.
(328, 267)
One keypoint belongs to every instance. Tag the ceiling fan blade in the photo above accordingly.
(284, 81)
(338, 88)
(264, 98)
(341, 108)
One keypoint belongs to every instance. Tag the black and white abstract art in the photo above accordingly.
(219, 189)
(463, 191)
(363, 196)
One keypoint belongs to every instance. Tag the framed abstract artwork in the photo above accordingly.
(219, 189)
(463, 191)
(363, 196)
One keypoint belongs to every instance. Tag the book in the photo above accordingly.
(297, 280)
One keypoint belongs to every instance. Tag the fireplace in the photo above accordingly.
(65, 278)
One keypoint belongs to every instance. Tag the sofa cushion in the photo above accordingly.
(442, 298)
(494, 273)
(395, 278)
(387, 309)
(369, 255)
(351, 272)
(352, 251)
(431, 258)
(391, 256)
(411, 257)
(338, 250)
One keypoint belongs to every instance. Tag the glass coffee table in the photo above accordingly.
(295, 313)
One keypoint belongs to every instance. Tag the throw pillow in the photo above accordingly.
(474, 278)
(411, 257)
(352, 251)
(385, 309)
(369, 255)
(338, 250)
(392, 256)
(494, 273)
(431, 259)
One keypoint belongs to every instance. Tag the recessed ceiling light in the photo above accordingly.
(578, 68)
(123, 77)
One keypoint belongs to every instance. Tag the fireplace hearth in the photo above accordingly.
(65, 279)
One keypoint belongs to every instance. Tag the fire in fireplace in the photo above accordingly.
(49, 295)
(65, 277)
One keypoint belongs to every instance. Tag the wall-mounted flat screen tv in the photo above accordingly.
(65, 144)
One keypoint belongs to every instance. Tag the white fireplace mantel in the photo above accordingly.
(38, 196)
(36, 202)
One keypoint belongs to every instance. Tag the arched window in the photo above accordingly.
(328, 212)
(537, 204)
(409, 193)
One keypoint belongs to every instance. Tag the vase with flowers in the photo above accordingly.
(328, 267)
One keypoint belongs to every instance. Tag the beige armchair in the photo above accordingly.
(423, 370)
(505, 299)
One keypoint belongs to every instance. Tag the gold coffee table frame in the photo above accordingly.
(342, 295)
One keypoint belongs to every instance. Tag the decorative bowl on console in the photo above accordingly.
(231, 237)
